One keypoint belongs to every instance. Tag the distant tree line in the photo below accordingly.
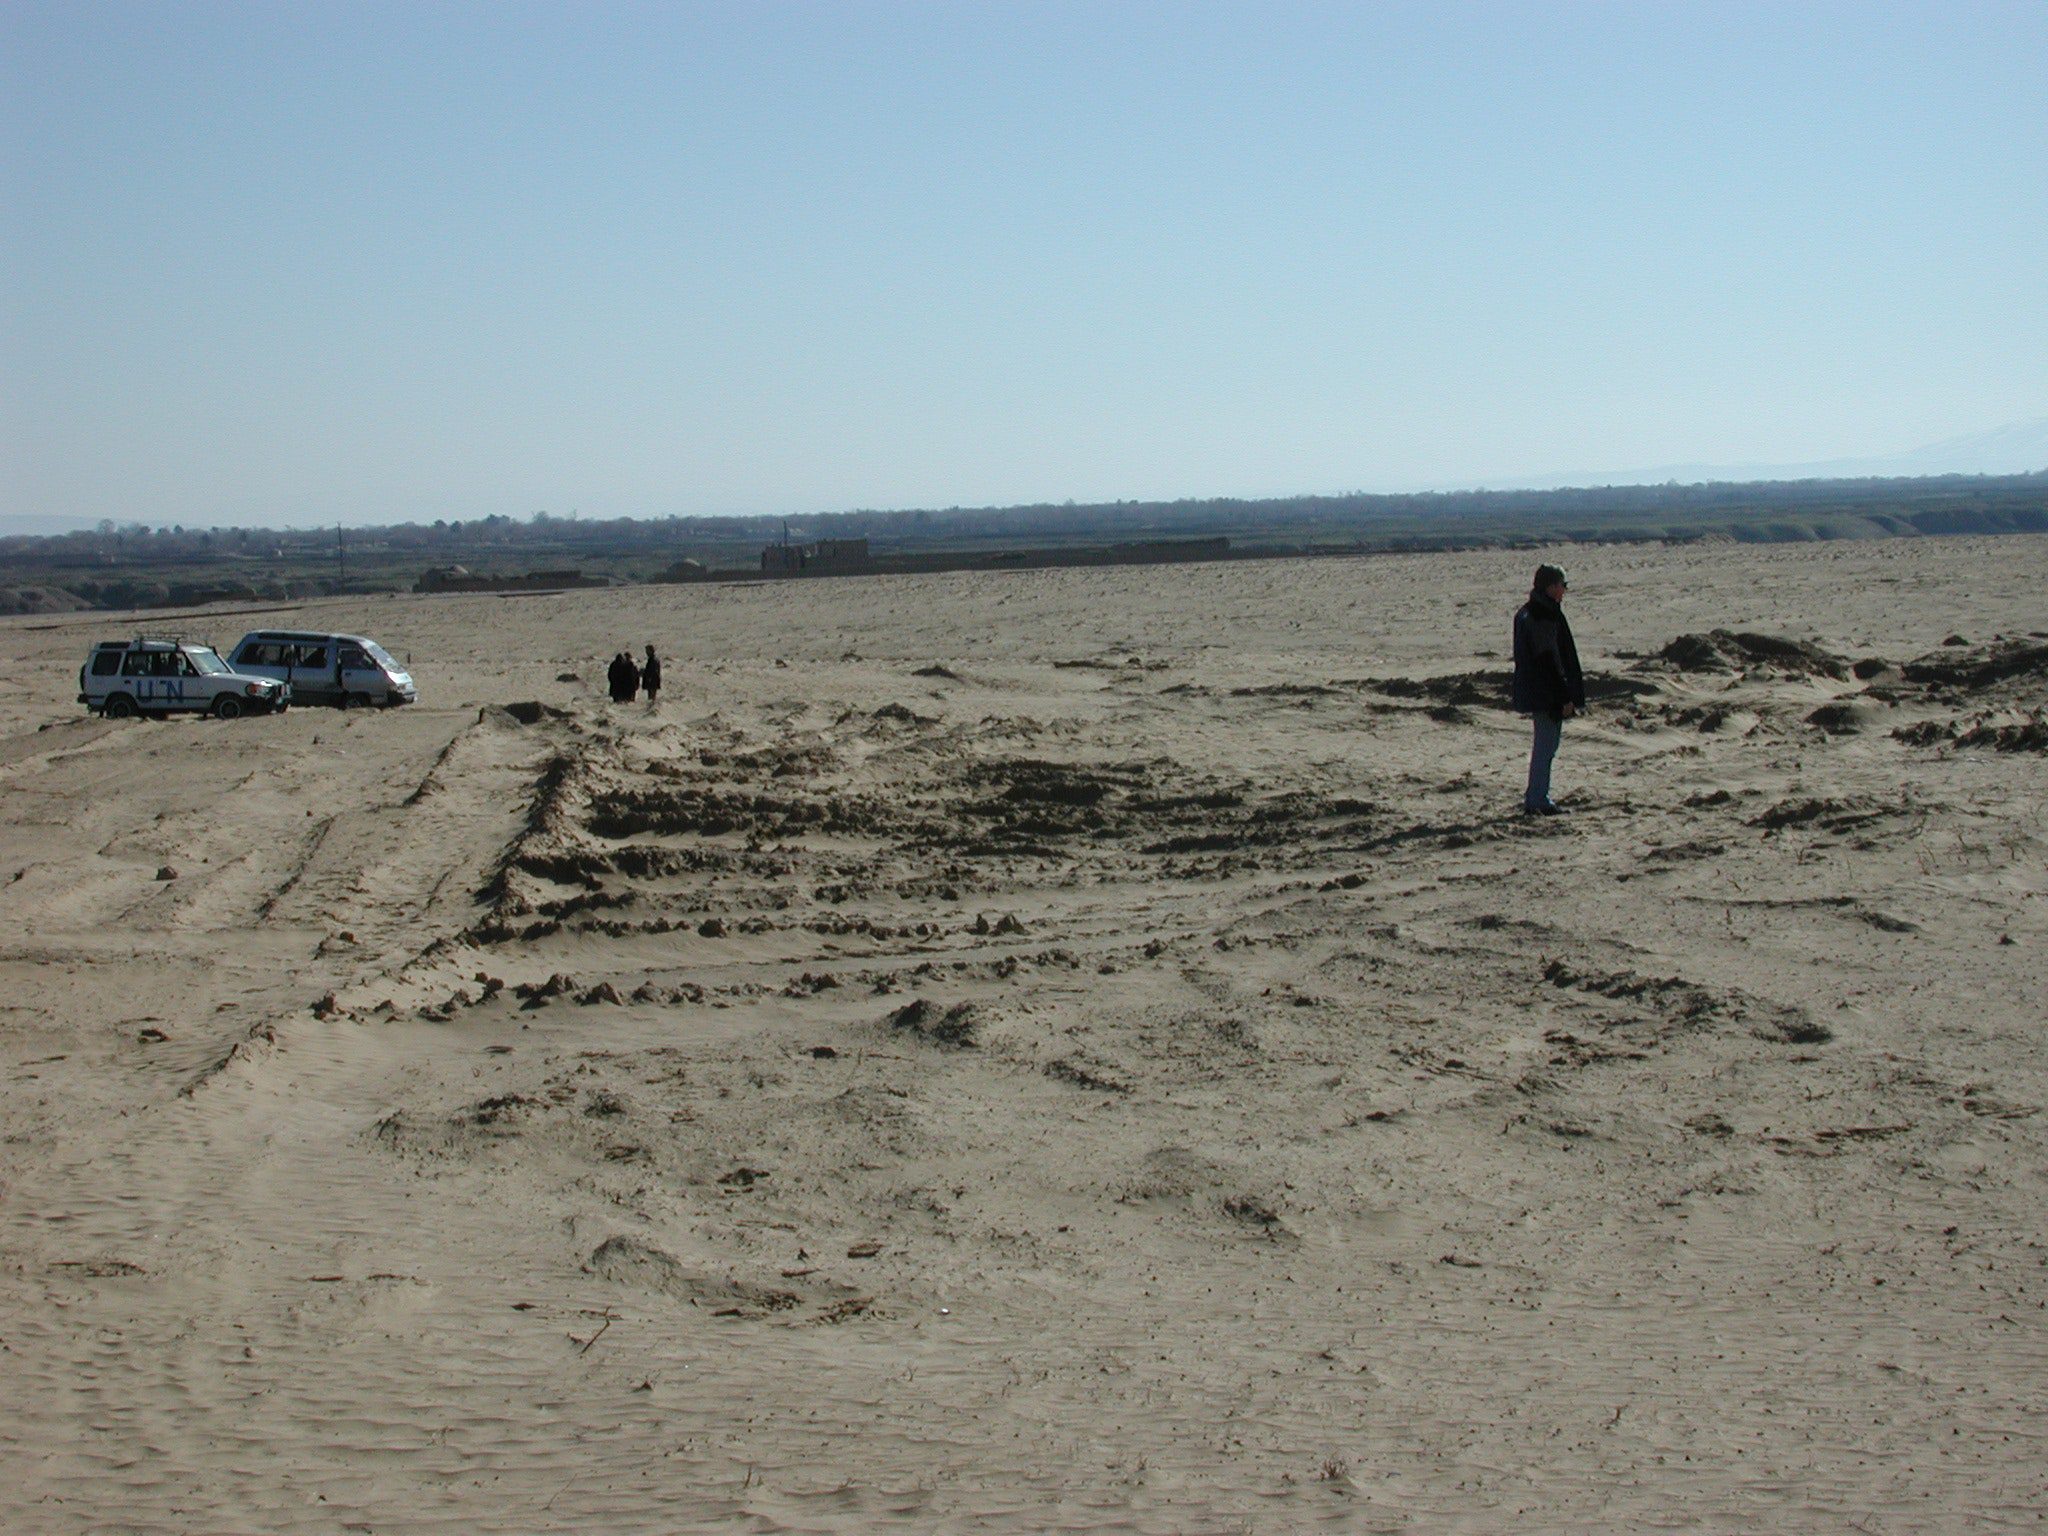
(134, 564)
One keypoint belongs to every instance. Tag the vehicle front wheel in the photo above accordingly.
(227, 707)
(356, 701)
(121, 707)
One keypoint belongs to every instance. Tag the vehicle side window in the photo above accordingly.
(313, 656)
(353, 660)
(167, 664)
(270, 654)
(135, 664)
(105, 663)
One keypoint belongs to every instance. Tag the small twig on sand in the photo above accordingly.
(586, 1343)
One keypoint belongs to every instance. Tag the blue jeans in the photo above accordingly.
(1549, 730)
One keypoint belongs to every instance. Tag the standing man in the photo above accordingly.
(1549, 687)
(650, 678)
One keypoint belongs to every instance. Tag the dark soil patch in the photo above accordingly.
(1484, 690)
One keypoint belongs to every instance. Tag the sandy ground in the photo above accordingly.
(1079, 1051)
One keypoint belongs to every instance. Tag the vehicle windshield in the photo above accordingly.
(206, 661)
(381, 656)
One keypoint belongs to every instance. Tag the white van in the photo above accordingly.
(122, 679)
(343, 670)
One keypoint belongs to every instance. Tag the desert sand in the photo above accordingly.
(1082, 1050)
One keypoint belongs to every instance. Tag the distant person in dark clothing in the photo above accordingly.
(624, 677)
(1549, 686)
(650, 678)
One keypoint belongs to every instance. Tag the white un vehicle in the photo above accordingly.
(348, 671)
(124, 679)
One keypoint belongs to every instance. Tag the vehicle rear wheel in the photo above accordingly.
(121, 707)
(227, 707)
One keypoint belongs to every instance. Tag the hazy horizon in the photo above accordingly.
(385, 264)
(2020, 448)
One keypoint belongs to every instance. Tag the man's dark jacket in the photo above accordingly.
(1547, 674)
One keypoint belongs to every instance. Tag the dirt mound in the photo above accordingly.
(1680, 1002)
(1031, 781)
(1824, 813)
(956, 1026)
(631, 812)
(629, 1262)
(2029, 734)
(1726, 650)
(17, 600)
(1172, 1173)
(1982, 668)
(1492, 690)
(1845, 717)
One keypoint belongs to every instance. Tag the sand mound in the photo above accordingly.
(1723, 650)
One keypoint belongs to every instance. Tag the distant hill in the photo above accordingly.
(2018, 448)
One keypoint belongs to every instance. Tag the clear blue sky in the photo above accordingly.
(377, 262)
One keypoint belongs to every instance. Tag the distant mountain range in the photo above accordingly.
(2018, 448)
